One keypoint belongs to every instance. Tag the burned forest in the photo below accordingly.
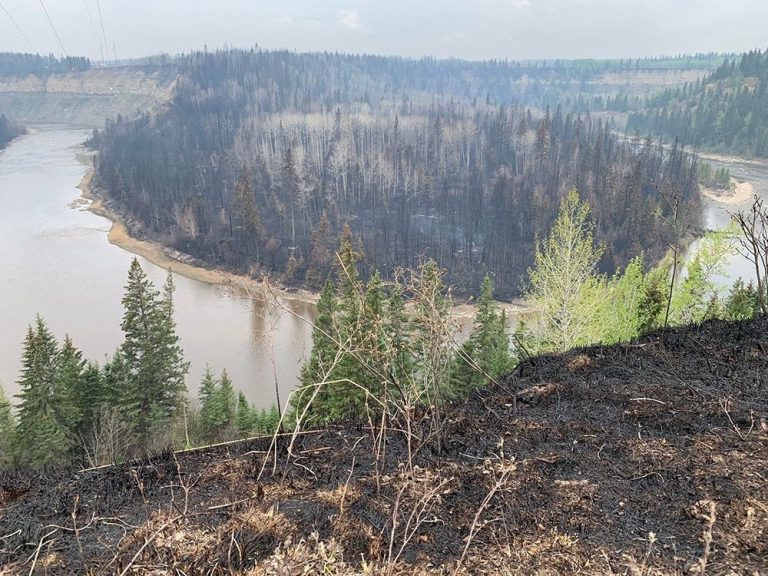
(260, 158)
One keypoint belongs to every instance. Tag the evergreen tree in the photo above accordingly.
(620, 319)
(210, 418)
(70, 368)
(317, 369)
(227, 400)
(486, 353)
(41, 439)
(244, 416)
(90, 397)
(7, 431)
(154, 364)
(742, 302)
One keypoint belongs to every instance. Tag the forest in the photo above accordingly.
(261, 158)
(8, 130)
(727, 112)
(22, 65)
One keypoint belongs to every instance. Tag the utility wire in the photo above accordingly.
(93, 26)
(34, 50)
(103, 33)
(53, 28)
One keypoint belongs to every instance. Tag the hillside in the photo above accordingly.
(443, 159)
(726, 112)
(646, 458)
(84, 97)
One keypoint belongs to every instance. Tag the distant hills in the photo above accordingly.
(725, 112)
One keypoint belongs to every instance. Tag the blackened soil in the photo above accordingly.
(648, 458)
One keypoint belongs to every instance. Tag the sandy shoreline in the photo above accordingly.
(169, 259)
(741, 194)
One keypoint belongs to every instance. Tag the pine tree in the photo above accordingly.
(154, 363)
(70, 367)
(486, 353)
(41, 439)
(317, 369)
(207, 395)
(90, 397)
(398, 328)
(227, 400)
(244, 416)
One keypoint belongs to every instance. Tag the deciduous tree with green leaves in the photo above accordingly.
(565, 267)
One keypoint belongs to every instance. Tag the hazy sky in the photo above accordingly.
(472, 29)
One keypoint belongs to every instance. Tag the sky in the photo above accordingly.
(469, 29)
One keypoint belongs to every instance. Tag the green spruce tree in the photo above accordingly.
(485, 354)
(42, 438)
(154, 364)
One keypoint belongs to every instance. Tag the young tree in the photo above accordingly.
(227, 400)
(316, 369)
(565, 265)
(244, 416)
(698, 296)
(485, 355)
(753, 245)
(210, 419)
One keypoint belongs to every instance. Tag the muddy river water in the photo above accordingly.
(56, 261)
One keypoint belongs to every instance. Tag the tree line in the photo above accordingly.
(261, 158)
(20, 65)
(726, 112)
(71, 409)
(384, 351)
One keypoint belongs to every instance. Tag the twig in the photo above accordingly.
(648, 400)
(475, 528)
(230, 504)
(37, 550)
(154, 535)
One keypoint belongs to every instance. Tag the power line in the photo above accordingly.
(103, 33)
(93, 26)
(53, 28)
(18, 28)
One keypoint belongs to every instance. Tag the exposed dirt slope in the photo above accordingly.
(85, 98)
(649, 458)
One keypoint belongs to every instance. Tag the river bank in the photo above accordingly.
(170, 259)
(741, 193)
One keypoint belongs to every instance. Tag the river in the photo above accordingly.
(57, 262)
(717, 215)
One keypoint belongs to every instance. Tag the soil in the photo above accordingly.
(645, 458)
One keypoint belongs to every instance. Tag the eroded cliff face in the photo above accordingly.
(85, 98)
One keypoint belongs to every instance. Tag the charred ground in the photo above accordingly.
(646, 458)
